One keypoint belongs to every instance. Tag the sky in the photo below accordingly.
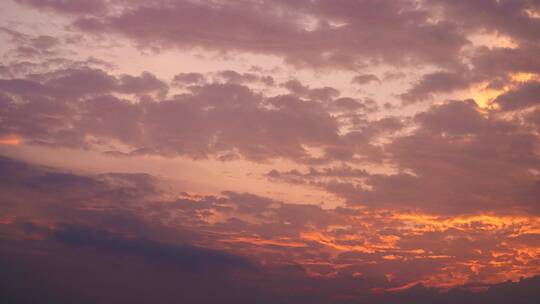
(270, 151)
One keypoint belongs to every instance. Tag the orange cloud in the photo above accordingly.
(11, 140)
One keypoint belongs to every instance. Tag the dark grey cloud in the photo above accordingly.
(460, 149)
(437, 82)
(446, 195)
(26, 46)
(188, 78)
(365, 79)
(235, 77)
(70, 7)
(423, 33)
(456, 144)
(347, 104)
(144, 83)
(524, 96)
(185, 257)
(497, 62)
(63, 107)
(320, 94)
(494, 66)
(455, 118)
(427, 33)
(523, 291)
(534, 118)
(500, 17)
(360, 31)
(93, 248)
(447, 165)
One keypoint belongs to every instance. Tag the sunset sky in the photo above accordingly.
(270, 151)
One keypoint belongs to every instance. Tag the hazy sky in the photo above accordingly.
(270, 151)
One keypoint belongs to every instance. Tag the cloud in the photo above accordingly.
(437, 82)
(456, 118)
(501, 17)
(67, 107)
(447, 165)
(433, 202)
(498, 61)
(90, 224)
(365, 79)
(498, 293)
(458, 148)
(188, 78)
(488, 68)
(185, 257)
(524, 96)
(361, 31)
(28, 46)
(456, 144)
(70, 7)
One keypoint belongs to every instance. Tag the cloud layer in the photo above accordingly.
(271, 151)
